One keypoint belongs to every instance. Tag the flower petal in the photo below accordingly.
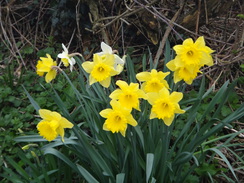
(106, 48)
(105, 83)
(60, 132)
(50, 75)
(131, 120)
(115, 94)
(88, 66)
(45, 114)
(64, 48)
(64, 123)
(168, 121)
(143, 76)
(152, 97)
(122, 84)
(176, 97)
(104, 113)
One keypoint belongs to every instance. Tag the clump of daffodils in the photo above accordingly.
(153, 87)
(190, 57)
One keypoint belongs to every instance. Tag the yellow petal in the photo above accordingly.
(176, 97)
(152, 115)
(92, 80)
(105, 83)
(50, 75)
(88, 66)
(171, 65)
(188, 41)
(200, 42)
(64, 123)
(55, 116)
(121, 84)
(105, 127)
(45, 114)
(60, 131)
(115, 94)
(104, 113)
(152, 97)
(168, 121)
(177, 78)
(131, 120)
(164, 92)
(123, 132)
(143, 76)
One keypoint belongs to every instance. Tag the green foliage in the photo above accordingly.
(150, 152)
(16, 114)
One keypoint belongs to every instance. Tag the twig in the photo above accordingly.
(166, 34)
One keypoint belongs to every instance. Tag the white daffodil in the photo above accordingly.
(66, 59)
(118, 62)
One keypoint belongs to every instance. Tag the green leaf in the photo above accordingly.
(225, 160)
(86, 174)
(149, 165)
(120, 178)
(33, 102)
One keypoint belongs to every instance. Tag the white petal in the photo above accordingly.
(106, 48)
(63, 55)
(72, 63)
(65, 49)
(118, 60)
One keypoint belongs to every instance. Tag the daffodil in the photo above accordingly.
(153, 81)
(183, 72)
(165, 105)
(117, 118)
(107, 50)
(128, 95)
(66, 59)
(194, 53)
(52, 125)
(100, 69)
(46, 65)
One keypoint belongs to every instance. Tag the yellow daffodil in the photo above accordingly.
(117, 118)
(194, 53)
(100, 69)
(128, 95)
(153, 81)
(52, 125)
(46, 65)
(66, 59)
(183, 72)
(107, 50)
(165, 105)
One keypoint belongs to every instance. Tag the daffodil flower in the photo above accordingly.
(52, 125)
(128, 95)
(46, 65)
(107, 50)
(153, 81)
(183, 72)
(165, 105)
(66, 59)
(117, 118)
(194, 53)
(100, 69)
